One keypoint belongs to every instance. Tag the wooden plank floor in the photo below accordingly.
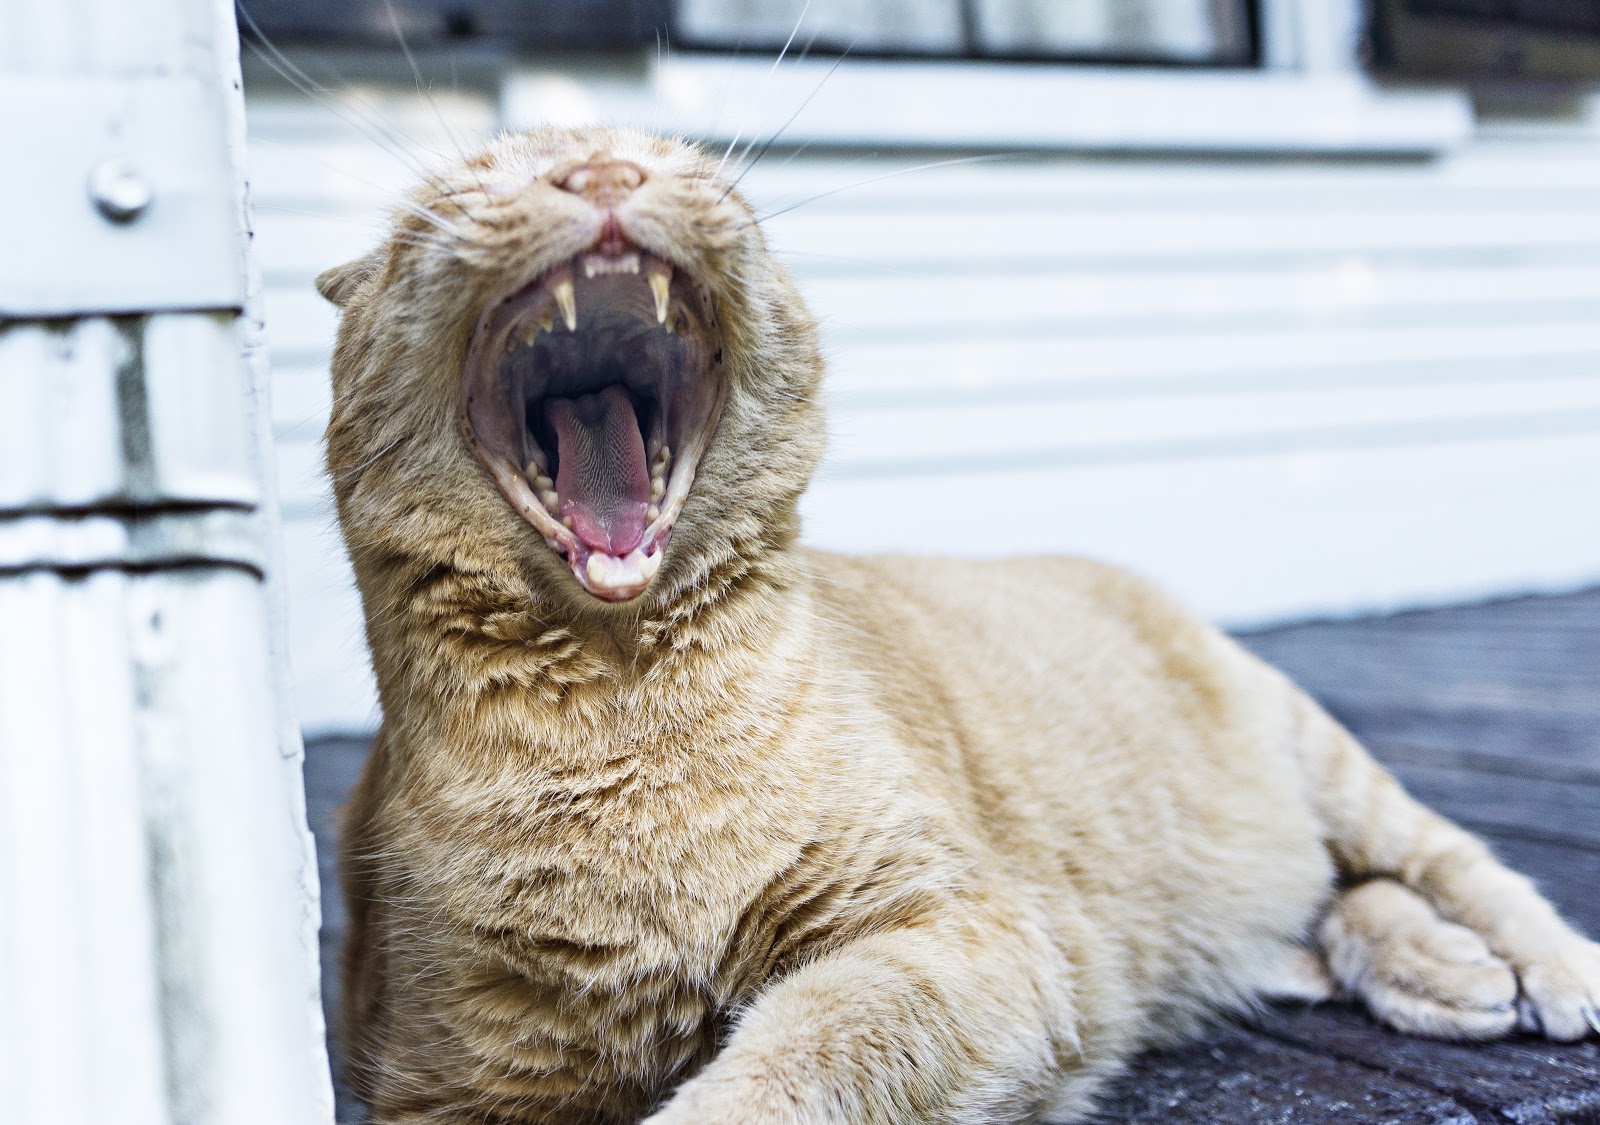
(1491, 714)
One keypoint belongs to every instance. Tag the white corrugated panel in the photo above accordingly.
(1281, 387)
(158, 903)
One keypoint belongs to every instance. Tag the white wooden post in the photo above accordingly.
(158, 899)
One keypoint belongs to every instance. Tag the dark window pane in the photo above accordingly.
(1216, 31)
(1541, 39)
(526, 23)
(1186, 31)
(924, 27)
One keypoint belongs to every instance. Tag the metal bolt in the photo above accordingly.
(119, 192)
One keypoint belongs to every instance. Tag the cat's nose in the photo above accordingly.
(605, 183)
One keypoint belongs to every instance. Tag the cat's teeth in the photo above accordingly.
(663, 455)
(600, 264)
(568, 302)
(652, 513)
(530, 332)
(550, 500)
(533, 472)
(658, 489)
(547, 321)
(649, 564)
(566, 522)
(596, 568)
(541, 482)
(661, 289)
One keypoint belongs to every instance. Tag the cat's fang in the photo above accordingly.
(567, 299)
(660, 276)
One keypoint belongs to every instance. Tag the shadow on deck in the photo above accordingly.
(1490, 714)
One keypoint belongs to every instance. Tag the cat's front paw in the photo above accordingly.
(1560, 991)
(705, 1101)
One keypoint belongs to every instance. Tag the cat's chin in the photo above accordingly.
(591, 393)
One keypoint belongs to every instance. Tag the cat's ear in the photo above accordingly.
(340, 283)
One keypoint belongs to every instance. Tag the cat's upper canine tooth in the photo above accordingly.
(567, 301)
(660, 276)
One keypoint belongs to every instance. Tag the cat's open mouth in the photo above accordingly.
(591, 394)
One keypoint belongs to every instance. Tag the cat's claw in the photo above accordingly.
(1560, 992)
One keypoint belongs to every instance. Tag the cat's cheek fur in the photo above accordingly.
(796, 837)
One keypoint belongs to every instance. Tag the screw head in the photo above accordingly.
(118, 191)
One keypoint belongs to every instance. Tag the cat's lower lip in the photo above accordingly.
(559, 372)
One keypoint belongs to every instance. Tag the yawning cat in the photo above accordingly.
(670, 817)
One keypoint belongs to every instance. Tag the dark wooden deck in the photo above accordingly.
(1491, 714)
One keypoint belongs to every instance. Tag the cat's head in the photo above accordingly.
(574, 359)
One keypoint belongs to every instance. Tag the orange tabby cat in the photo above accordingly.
(672, 818)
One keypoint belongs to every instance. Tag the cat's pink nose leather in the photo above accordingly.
(605, 183)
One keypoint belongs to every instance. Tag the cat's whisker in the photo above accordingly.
(416, 74)
(374, 129)
(885, 176)
(433, 218)
(767, 80)
(782, 128)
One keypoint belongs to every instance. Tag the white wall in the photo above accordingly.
(1280, 387)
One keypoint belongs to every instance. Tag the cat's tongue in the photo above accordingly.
(602, 478)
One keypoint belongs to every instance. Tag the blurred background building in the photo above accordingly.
(1292, 305)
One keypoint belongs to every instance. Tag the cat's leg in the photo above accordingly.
(899, 1028)
(1373, 828)
(1415, 971)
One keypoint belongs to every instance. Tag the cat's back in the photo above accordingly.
(1098, 726)
(1034, 633)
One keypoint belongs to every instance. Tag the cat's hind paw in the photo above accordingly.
(1415, 971)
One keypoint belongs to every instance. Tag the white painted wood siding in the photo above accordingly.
(1279, 387)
